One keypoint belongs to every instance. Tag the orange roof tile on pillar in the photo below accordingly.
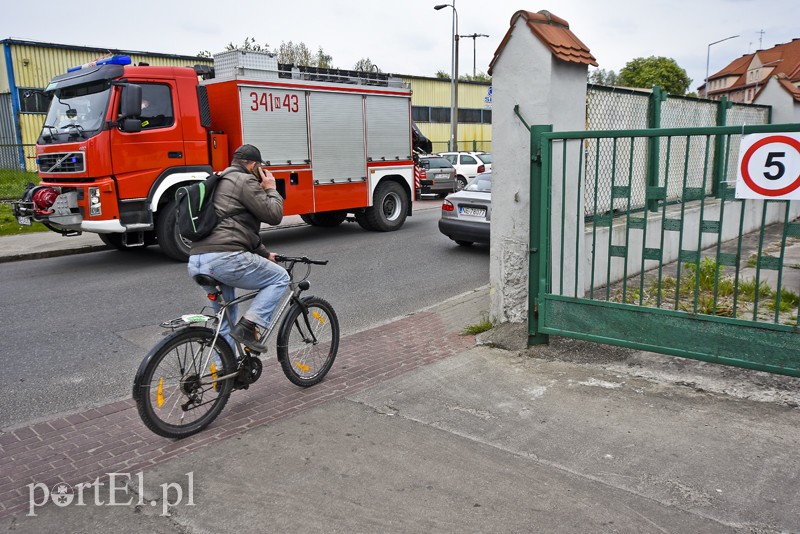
(554, 33)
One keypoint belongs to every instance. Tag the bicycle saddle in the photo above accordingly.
(206, 280)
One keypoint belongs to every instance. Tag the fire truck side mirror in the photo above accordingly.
(131, 125)
(131, 103)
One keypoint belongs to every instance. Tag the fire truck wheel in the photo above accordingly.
(389, 208)
(169, 239)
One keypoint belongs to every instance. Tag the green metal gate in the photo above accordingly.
(637, 240)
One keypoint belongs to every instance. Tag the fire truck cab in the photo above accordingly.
(119, 140)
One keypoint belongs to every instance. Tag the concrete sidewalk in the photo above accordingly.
(570, 437)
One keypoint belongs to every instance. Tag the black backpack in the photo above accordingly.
(195, 216)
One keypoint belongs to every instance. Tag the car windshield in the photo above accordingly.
(482, 182)
(486, 158)
(76, 112)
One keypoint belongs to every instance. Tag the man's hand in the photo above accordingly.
(267, 179)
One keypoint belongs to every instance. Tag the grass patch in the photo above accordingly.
(10, 226)
(481, 327)
(747, 290)
(788, 301)
(705, 289)
(13, 182)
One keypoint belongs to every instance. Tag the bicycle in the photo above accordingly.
(185, 381)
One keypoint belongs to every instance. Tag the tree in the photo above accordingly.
(365, 64)
(650, 71)
(442, 74)
(249, 44)
(603, 77)
(479, 77)
(323, 60)
(289, 53)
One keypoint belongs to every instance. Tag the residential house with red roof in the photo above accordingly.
(745, 77)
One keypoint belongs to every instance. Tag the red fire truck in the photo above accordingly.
(119, 139)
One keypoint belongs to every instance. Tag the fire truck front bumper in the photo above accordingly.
(61, 215)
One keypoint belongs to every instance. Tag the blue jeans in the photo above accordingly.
(244, 270)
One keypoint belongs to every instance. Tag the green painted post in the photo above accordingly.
(539, 213)
(653, 148)
(718, 170)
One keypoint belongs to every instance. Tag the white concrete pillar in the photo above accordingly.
(540, 66)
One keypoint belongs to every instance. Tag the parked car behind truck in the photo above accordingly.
(435, 175)
(467, 214)
(468, 165)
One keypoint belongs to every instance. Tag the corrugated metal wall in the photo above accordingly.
(435, 92)
(35, 66)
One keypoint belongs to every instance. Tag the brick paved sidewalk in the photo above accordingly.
(111, 438)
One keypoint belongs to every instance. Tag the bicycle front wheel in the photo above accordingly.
(176, 388)
(308, 341)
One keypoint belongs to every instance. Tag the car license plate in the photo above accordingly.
(441, 177)
(24, 220)
(475, 212)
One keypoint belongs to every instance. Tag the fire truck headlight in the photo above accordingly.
(94, 201)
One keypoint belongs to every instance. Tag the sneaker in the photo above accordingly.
(248, 333)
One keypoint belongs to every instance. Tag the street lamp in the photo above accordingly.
(708, 56)
(474, 37)
(454, 79)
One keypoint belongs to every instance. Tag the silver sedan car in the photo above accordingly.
(466, 215)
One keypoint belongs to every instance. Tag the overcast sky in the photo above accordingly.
(409, 36)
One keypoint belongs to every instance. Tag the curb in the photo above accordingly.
(52, 253)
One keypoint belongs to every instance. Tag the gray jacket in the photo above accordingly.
(240, 193)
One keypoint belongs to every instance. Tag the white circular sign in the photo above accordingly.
(769, 166)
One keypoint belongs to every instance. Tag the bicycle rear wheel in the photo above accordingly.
(175, 388)
(308, 341)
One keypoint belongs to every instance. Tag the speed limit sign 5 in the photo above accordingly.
(769, 166)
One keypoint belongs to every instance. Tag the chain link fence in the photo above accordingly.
(15, 160)
(683, 162)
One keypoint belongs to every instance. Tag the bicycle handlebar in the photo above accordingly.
(303, 259)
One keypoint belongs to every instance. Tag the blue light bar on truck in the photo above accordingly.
(113, 60)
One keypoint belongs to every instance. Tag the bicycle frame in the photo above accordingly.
(290, 296)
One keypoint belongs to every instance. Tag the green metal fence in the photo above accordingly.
(610, 108)
(662, 257)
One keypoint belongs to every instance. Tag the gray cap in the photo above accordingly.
(248, 153)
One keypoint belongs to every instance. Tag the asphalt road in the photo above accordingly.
(76, 327)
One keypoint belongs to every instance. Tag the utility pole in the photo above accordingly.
(474, 37)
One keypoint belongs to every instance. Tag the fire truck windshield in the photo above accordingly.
(76, 112)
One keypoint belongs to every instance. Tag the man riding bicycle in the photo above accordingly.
(233, 253)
